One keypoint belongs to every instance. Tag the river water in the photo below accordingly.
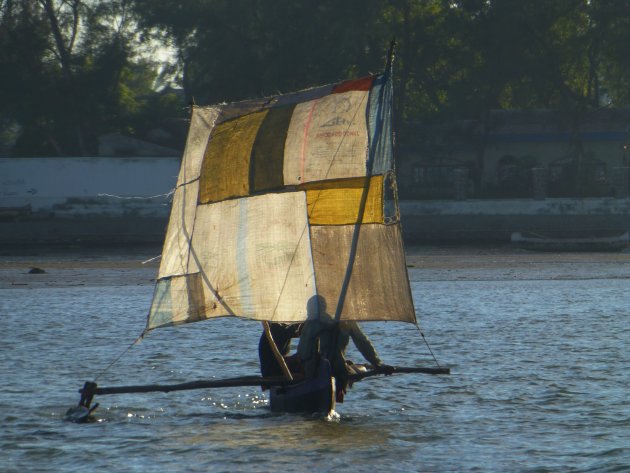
(538, 346)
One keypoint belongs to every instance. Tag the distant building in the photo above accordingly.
(518, 154)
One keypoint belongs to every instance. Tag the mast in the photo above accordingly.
(366, 188)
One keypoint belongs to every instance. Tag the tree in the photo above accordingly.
(80, 70)
(250, 48)
(610, 28)
(82, 77)
(23, 44)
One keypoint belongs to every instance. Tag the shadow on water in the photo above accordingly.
(289, 432)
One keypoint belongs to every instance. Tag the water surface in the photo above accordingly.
(538, 350)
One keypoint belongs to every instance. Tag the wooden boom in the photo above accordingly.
(241, 381)
(81, 413)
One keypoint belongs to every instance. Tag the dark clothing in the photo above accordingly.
(282, 335)
(333, 341)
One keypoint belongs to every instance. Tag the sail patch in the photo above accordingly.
(379, 287)
(268, 151)
(179, 231)
(202, 122)
(226, 162)
(364, 83)
(177, 300)
(327, 139)
(285, 146)
(338, 202)
(254, 254)
(380, 126)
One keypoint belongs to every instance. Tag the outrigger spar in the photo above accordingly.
(90, 389)
(280, 201)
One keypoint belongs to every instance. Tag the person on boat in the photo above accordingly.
(282, 335)
(321, 335)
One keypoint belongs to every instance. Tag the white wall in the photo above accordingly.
(80, 186)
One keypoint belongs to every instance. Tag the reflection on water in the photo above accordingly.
(276, 432)
(540, 373)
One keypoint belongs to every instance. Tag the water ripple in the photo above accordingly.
(539, 384)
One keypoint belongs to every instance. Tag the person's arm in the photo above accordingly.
(363, 343)
(306, 344)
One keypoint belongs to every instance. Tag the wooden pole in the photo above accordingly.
(207, 384)
(398, 370)
(246, 381)
(364, 195)
(276, 352)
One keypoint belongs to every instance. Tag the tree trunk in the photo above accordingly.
(64, 52)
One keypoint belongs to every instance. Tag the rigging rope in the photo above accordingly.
(167, 194)
(102, 372)
(151, 259)
(427, 344)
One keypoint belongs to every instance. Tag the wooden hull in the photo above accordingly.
(592, 244)
(307, 396)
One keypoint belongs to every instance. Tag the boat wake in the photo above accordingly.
(332, 416)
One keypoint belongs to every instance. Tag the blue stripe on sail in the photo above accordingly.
(242, 253)
(380, 128)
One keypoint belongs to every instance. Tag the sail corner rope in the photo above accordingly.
(426, 342)
(123, 353)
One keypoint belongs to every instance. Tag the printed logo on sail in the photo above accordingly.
(336, 121)
(340, 108)
(336, 134)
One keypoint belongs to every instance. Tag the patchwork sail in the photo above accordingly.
(276, 200)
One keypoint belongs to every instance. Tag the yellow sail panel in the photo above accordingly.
(338, 202)
(254, 257)
(225, 168)
(179, 231)
(327, 139)
(379, 287)
(268, 152)
(201, 124)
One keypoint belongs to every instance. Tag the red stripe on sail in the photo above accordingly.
(365, 84)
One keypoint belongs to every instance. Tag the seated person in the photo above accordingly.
(282, 335)
(332, 339)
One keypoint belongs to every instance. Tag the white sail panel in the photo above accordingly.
(254, 254)
(202, 122)
(327, 139)
(179, 232)
(379, 287)
(177, 300)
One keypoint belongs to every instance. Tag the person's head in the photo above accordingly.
(316, 308)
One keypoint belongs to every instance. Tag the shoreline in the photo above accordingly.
(70, 267)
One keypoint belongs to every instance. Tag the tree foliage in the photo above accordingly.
(70, 74)
(73, 69)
